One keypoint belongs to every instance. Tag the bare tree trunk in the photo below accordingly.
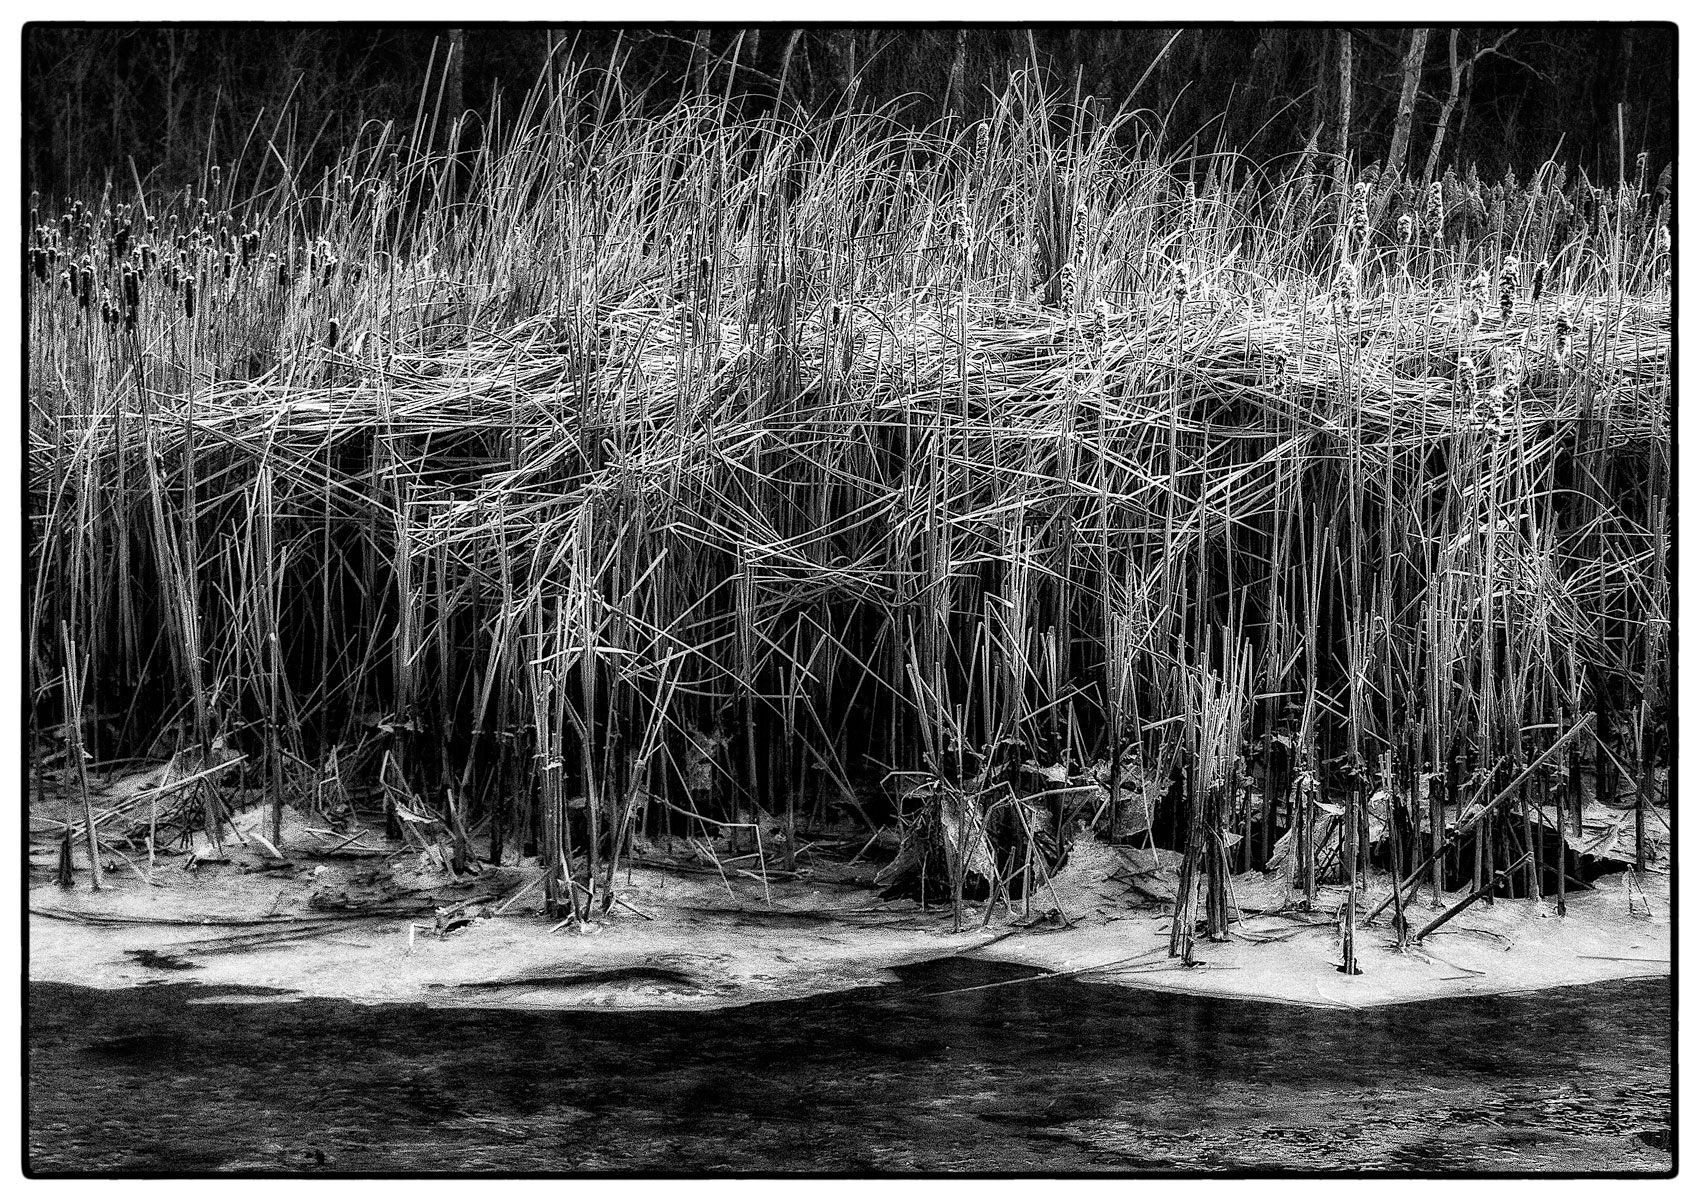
(958, 63)
(1341, 164)
(454, 98)
(840, 59)
(1407, 102)
(699, 60)
(1444, 113)
(556, 40)
(785, 62)
(1463, 117)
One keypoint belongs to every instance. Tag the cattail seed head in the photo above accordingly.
(1068, 286)
(189, 297)
(1539, 285)
(1406, 230)
(1436, 210)
(1479, 287)
(1360, 211)
(961, 226)
(1563, 329)
(1345, 291)
(1510, 274)
(1467, 380)
(1512, 370)
(132, 288)
(332, 331)
(981, 150)
(1182, 281)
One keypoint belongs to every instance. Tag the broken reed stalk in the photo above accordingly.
(1501, 877)
(73, 689)
(1484, 813)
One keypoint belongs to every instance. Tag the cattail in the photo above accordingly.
(1563, 326)
(215, 175)
(282, 270)
(67, 283)
(229, 263)
(189, 297)
(1512, 370)
(1281, 355)
(961, 226)
(332, 330)
(1489, 411)
(1189, 215)
(1360, 212)
(1345, 291)
(981, 150)
(107, 315)
(1100, 322)
(1182, 283)
(1436, 211)
(1508, 277)
(1406, 230)
(1079, 227)
(38, 263)
(65, 226)
(1068, 286)
(85, 294)
(132, 288)
(1467, 381)
(1479, 287)
(1539, 285)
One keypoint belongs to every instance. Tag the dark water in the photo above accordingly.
(1058, 1076)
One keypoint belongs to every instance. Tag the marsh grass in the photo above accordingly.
(866, 457)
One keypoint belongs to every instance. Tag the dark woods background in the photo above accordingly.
(173, 99)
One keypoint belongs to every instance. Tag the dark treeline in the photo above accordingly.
(171, 99)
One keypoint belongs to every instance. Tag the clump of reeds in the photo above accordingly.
(708, 443)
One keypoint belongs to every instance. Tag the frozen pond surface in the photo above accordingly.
(1048, 1077)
